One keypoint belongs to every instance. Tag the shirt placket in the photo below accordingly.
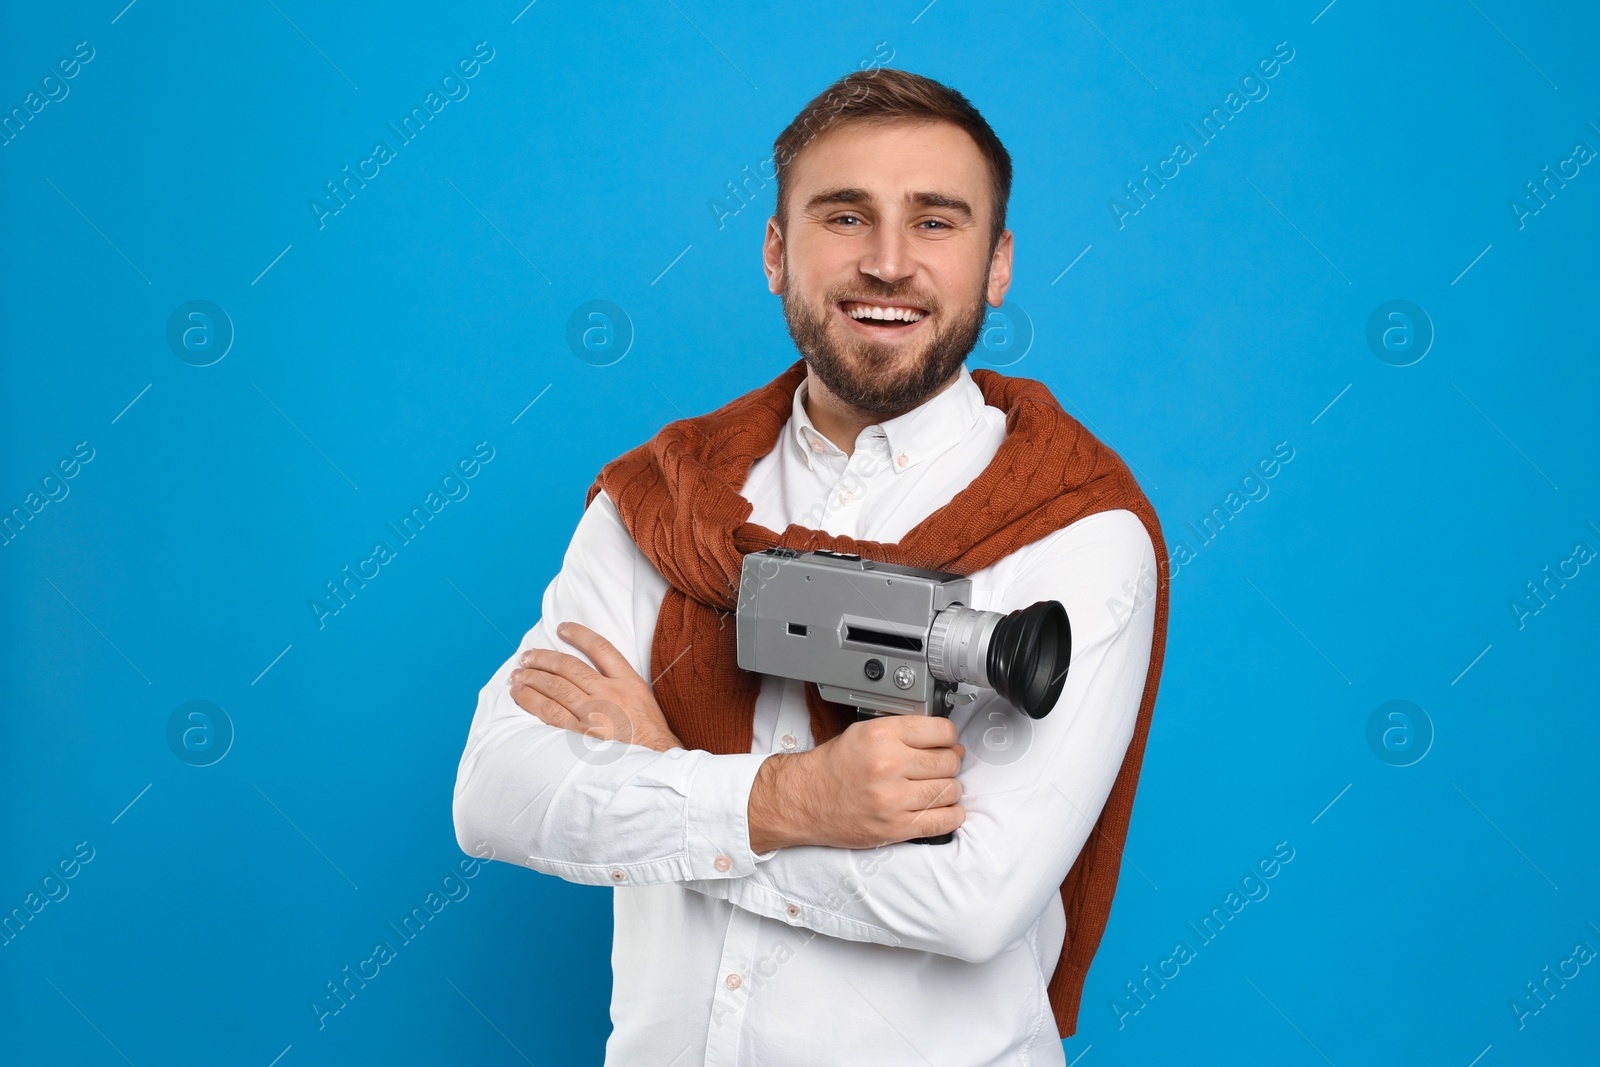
(794, 719)
(730, 994)
(842, 503)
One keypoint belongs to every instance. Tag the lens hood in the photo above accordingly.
(1029, 653)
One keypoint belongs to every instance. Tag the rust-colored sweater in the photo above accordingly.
(678, 496)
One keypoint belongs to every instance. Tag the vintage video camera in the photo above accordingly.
(891, 639)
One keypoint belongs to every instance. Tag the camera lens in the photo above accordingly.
(1029, 655)
(1022, 656)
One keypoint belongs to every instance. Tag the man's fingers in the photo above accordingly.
(938, 821)
(937, 793)
(612, 664)
(936, 763)
(542, 707)
(923, 731)
(554, 686)
(570, 667)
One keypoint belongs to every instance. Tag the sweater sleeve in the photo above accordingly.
(597, 813)
(1032, 789)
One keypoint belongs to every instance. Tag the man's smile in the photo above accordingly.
(882, 319)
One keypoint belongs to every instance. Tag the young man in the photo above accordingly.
(768, 910)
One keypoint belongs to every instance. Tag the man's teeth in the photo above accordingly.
(868, 311)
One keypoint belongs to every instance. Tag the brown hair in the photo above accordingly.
(886, 95)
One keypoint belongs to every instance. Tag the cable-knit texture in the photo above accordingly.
(678, 496)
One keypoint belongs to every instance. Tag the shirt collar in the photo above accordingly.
(921, 433)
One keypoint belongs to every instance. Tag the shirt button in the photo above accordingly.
(790, 740)
(845, 496)
(617, 874)
(793, 910)
(901, 460)
(816, 444)
(722, 863)
(733, 981)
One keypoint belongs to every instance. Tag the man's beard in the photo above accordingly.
(858, 372)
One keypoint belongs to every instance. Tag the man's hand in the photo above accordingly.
(613, 703)
(883, 780)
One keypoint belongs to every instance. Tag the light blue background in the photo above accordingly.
(375, 352)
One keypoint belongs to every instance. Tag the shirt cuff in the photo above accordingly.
(719, 817)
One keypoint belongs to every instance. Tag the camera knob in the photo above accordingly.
(904, 676)
(874, 669)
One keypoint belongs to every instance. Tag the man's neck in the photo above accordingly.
(840, 422)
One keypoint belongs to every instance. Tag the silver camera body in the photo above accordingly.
(893, 639)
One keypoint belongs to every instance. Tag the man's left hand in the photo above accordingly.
(612, 703)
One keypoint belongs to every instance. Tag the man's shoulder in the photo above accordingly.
(1101, 567)
(601, 530)
(1113, 541)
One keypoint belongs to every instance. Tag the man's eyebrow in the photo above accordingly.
(866, 199)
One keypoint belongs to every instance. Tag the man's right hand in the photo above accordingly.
(882, 780)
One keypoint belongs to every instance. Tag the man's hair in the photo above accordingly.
(885, 95)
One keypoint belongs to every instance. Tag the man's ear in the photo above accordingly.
(772, 256)
(1000, 270)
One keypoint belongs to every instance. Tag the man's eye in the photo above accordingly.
(937, 222)
(841, 218)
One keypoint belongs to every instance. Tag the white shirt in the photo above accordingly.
(905, 954)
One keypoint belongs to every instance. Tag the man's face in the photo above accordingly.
(887, 216)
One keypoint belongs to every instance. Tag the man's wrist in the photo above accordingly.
(663, 743)
(773, 802)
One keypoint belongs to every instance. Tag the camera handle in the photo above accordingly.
(939, 839)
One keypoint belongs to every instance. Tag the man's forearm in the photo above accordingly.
(596, 813)
(775, 818)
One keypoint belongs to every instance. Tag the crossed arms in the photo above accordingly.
(810, 838)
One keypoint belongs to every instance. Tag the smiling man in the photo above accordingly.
(770, 906)
(880, 338)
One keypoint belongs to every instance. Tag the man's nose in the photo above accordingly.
(889, 256)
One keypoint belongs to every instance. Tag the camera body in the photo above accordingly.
(857, 628)
(892, 639)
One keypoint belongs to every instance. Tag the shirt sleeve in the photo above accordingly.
(1032, 789)
(597, 812)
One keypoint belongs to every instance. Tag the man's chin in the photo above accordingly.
(874, 359)
(880, 378)
(873, 390)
